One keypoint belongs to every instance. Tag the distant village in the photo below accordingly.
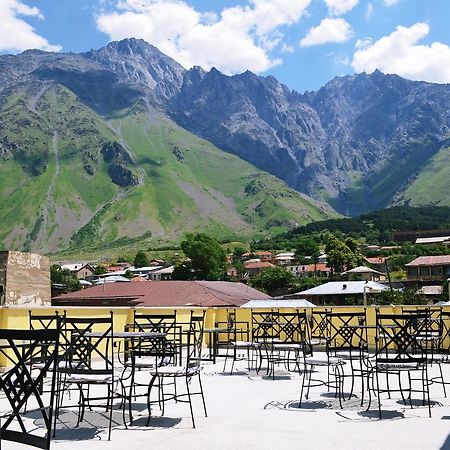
(427, 276)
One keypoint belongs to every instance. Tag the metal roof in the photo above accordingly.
(278, 303)
(345, 288)
(436, 260)
(363, 269)
(432, 240)
(165, 293)
(430, 290)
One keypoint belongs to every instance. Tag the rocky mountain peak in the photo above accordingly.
(142, 63)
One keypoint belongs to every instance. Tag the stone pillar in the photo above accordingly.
(24, 279)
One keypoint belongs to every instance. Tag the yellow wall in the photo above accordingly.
(17, 317)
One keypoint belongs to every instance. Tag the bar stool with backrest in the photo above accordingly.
(287, 340)
(348, 340)
(45, 322)
(400, 349)
(142, 355)
(240, 345)
(187, 371)
(88, 361)
(22, 348)
(334, 364)
(441, 355)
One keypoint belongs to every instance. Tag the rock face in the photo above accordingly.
(142, 63)
(357, 143)
(335, 144)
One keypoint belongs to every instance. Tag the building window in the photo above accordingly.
(437, 270)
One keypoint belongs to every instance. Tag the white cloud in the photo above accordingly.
(390, 3)
(15, 33)
(339, 7)
(286, 48)
(328, 31)
(370, 11)
(239, 38)
(363, 43)
(339, 59)
(399, 53)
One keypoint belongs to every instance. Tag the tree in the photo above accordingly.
(238, 252)
(207, 259)
(64, 277)
(100, 270)
(340, 256)
(271, 279)
(140, 260)
(307, 246)
(398, 297)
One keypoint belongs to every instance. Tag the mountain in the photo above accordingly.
(123, 144)
(359, 142)
(89, 158)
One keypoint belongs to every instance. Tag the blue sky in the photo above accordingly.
(304, 43)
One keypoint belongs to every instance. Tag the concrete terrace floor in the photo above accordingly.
(251, 411)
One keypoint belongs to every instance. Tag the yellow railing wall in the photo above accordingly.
(18, 317)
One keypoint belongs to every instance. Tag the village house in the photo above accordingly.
(429, 268)
(377, 263)
(254, 267)
(161, 274)
(363, 273)
(438, 240)
(342, 292)
(80, 270)
(309, 270)
(262, 255)
(284, 259)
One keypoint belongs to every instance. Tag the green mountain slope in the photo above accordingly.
(70, 179)
(431, 187)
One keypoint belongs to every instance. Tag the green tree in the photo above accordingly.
(140, 260)
(64, 277)
(306, 246)
(398, 297)
(129, 275)
(340, 256)
(271, 279)
(100, 270)
(207, 259)
(238, 252)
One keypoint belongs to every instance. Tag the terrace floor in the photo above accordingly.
(247, 410)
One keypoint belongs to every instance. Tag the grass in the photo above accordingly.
(377, 190)
(431, 187)
(210, 190)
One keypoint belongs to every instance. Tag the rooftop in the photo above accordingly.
(345, 288)
(319, 267)
(164, 293)
(363, 269)
(432, 240)
(257, 264)
(376, 260)
(436, 260)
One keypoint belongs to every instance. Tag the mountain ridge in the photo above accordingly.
(89, 159)
(358, 143)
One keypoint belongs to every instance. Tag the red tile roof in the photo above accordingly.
(315, 267)
(138, 279)
(257, 264)
(163, 293)
(376, 260)
(439, 260)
